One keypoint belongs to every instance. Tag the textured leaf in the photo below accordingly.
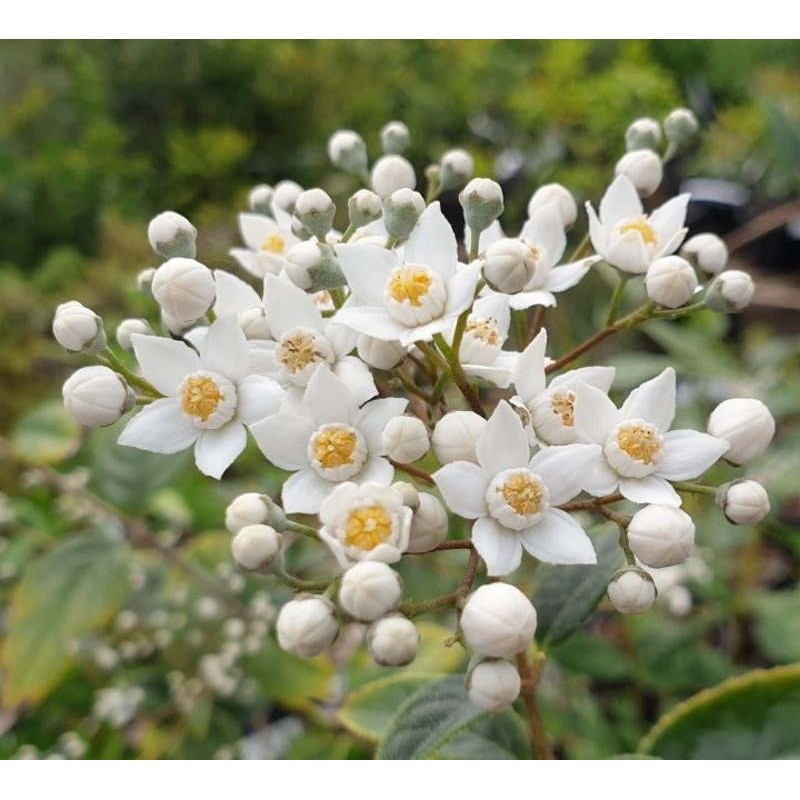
(45, 435)
(777, 624)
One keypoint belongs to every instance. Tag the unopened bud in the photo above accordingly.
(561, 196)
(632, 591)
(661, 536)
(670, 281)
(307, 626)
(744, 502)
(393, 641)
(395, 137)
(247, 509)
(401, 210)
(409, 494)
(184, 288)
(455, 435)
(746, 424)
(301, 259)
(78, 329)
(347, 151)
(315, 209)
(455, 169)
(680, 126)
(256, 547)
(260, 199)
(644, 132)
(498, 621)
(482, 201)
(370, 589)
(285, 195)
(97, 396)
(253, 322)
(643, 168)
(731, 291)
(364, 207)
(428, 525)
(172, 235)
(128, 327)
(509, 265)
(493, 684)
(390, 173)
(707, 251)
(405, 439)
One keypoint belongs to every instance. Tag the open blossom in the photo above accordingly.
(513, 498)
(267, 241)
(209, 398)
(407, 299)
(327, 439)
(627, 237)
(640, 454)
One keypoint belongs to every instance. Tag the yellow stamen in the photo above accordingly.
(523, 494)
(200, 397)
(409, 285)
(641, 225)
(298, 351)
(483, 329)
(274, 244)
(367, 527)
(335, 447)
(640, 443)
(564, 406)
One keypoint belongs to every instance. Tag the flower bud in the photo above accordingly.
(307, 626)
(680, 125)
(409, 494)
(364, 207)
(285, 195)
(644, 132)
(78, 329)
(730, 291)
(493, 684)
(482, 201)
(347, 151)
(256, 547)
(744, 502)
(455, 169)
(259, 200)
(746, 425)
(144, 280)
(390, 173)
(706, 251)
(498, 621)
(128, 327)
(253, 322)
(176, 327)
(670, 281)
(184, 288)
(632, 591)
(379, 354)
(661, 536)
(393, 641)
(405, 439)
(509, 264)
(247, 509)
(301, 259)
(401, 210)
(644, 170)
(370, 589)
(561, 196)
(455, 435)
(97, 396)
(428, 525)
(395, 137)
(315, 209)
(172, 235)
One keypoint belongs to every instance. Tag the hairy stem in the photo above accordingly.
(529, 674)
(459, 378)
(414, 472)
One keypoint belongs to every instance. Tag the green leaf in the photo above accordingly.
(777, 624)
(45, 435)
(73, 589)
(566, 595)
(438, 722)
(753, 716)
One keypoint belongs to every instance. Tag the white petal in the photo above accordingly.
(432, 243)
(424, 333)
(355, 373)
(502, 444)
(544, 229)
(216, 450)
(461, 288)
(255, 228)
(248, 260)
(224, 348)
(258, 397)
(628, 253)
(305, 492)
(372, 419)
(603, 480)
(621, 201)
(367, 268)
(597, 233)
(599, 377)
(567, 275)
(670, 245)
(536, 297)
(500, 548)
(565, 469)
(376, 470)
(328, 399)
(160, 427)
(262, 358)
(164, 362)
(651, 489)
(529, 378)
(667, 220)
(342, 339)
(688, 454)
(288, 306)
(374, 322)
(463, 486)
(495, 306)
(594, 413)
(653, 401)
(500, 376)
(283, 439)
(233, 294)
(558, 539)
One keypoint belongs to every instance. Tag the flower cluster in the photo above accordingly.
(388, 347)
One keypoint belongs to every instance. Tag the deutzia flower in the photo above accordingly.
(627, 237)
(267, 241)
(329, 439)
(209, 398)
(412, 299)
(640, 453)
(513, 497)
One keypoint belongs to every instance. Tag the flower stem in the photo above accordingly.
(616, 298)
(415, 472)
(460, 379)
(303, 585)
(695, 488)
(529, 675)
(110, 359)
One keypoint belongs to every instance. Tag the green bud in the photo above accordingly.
(395, 138)
(482, 201)
(401, 210)
(364, 207)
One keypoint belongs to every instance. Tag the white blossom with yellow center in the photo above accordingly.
(513, 498)
(267, 241)
(327, 439)
(407, 299)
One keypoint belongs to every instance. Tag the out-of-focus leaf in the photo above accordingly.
(777, 624)
(593, 656)
(45, 435)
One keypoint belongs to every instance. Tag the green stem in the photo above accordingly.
(392, 242)
(582, 249)
(474, 244)
(616, 298)
(348, 233)
(303, 585)
(298, 527)
(111, 360)
(694, 488)
(460, 379)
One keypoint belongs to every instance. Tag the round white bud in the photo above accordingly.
(632, 591)
(498, 621)
(744, 502)
(307, 626)
(144, 280)
(661, 536)
(561, 197)
(379, 354)
(253, 322)
(731, 291)
(401, 210)
(285, 195)
(128, 327)
(184, 288)
(246, 509)
(172, 235)
(347, 151)
(390, 173)
(643, 168)
(78, 329)
(680, 125)
(370, 589)
(97, 396)
(644, 132)
(408, 492)
(746, 425)
(455, 435)
(509, 264)
(256, 547)
(455, 168)
(670, 281)
(493, 684)
(260, 199)
(315, 210)
(393, 641)
(482, 201)
(405, 439)
(364, 207)
(395, 137)
(175, 326)
(301, 259)
(707, 251)
(428, 525)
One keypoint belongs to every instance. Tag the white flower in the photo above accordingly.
(267, 240)
(329, 439)
(643, 132)
(369, 590)
(184, 288)
(395, 137)
(513, 498)
(560, 196)
(744, 502)
(97, 396)
(346, 150)
(380, 354)
(393, 641)
(405, 439)
(627, 237)
(410, 300)
(209, 398)
(390, 173)
(255, 547)
(78, 329)
(661, 536)
(640, 452)
(493, 684)
(365, 523)
(731, 291)
(632, 591)
(307, 626)
(707, 251)
(428, 525)
(171, 234)
(246, 509)
(128, 327)
(670, 281)
(498, 621)
(746, 424)
(455, 436)
(643, 168)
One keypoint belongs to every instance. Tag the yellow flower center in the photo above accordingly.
(409, 285)
(564, 406)
(483, 329)
(200, 397)
(523, 493)
(367, 527)
(642, 227)
(335, 447)
(274, 244)
(640, 443)
(296, 352)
